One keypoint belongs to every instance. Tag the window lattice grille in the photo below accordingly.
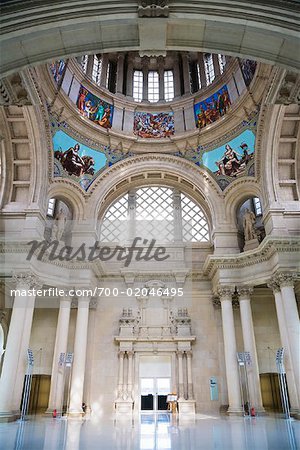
(153, 86)
(209, 68)
(222, 62)
(169, 85)
(152, 216)
(137, 85)
(97, 66)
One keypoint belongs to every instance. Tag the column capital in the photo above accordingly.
(130, 353)
(244, 292)
(216, 301)
(285, 279)
(27, 280)
(274, 285)
(189, 353)
(225, 292)
(121, 353)
(179, 353)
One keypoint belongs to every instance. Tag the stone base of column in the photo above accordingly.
(235, 411)
(250, 245)
(295, 413)
(187, 407)
(75, 414)
(8, 416)
(124, 406)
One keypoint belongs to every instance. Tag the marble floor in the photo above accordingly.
(159, 431)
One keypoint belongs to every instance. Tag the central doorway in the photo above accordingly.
(154, 392)
(155, 382)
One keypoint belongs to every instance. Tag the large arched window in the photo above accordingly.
(155, 212)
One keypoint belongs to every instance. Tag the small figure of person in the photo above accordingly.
(59, 225)
(72, 161)
(248, 224)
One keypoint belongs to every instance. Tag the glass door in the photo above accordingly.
(154, 393)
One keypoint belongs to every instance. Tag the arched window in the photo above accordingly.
(137, 85)
(209, 68)
(97, 66)
(153, 86)
(169, 85)
(83, 62)
(155, 212)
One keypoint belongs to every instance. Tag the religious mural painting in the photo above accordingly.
(57, 69)
(94, 108)
(153, 125)
(77, 157)
(229, 158)
(248, 68)
(212, 108)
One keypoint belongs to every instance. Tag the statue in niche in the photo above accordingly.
(249, 225)
(59, 225)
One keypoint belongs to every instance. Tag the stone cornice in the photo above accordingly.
(264, 252)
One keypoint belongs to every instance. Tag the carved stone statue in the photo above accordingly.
(249, 225)
(59, 225)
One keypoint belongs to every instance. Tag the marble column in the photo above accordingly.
(286, 283)
(230, 351)
(15, 357)
(161, 74)
(130, 375)
(177, 84)
(89, 66)
(186, 73)
(283, 331)
(120, 74)
(250, 346)
(189, 375)
(180, 375)
(145, 78)
(104, 69)
(202, 70)
(61, 342)
(121, 375)
(80, 344)
(129, 80)
(216, 64)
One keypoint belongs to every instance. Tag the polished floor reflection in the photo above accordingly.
(153, 432)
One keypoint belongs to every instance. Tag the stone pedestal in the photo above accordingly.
(250, 245)
(186, 407)
(124, 406)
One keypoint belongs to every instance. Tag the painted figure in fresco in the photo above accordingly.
(229, 164)
(98, 112)
(105, 121)
(148, 125)
(249, 225)
(72, 161)
(88, 109)
(58, 225)
(88, 162)
(81, 100)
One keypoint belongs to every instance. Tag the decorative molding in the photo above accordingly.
(225, 292)
(285, 279)
(27, 280)
(244, 291)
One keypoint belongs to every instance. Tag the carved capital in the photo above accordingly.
(216, 301)
(179, 353)
(225, 292)
(189, 353)
(130, 353)
(274, 285)
(93, 303)
(244, 291)
(285, 279)
(26, 280)
(121, 354)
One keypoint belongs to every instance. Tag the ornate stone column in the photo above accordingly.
(186, 73)
(130, 374)
(180, 375)
(189, 375)
(120, 74)
(129, 80)
(15, 357)
(121, 375)
(293, 393)
(76, 393)
(145, 78)
(216, 65)
(202, 70)
(61, 342)
(250, 346)
(161, 73)
(286, 283)
(232, 375)
(104, 68)
(90, 65)
(177, 84)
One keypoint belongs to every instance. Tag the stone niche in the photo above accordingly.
(155, 327)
